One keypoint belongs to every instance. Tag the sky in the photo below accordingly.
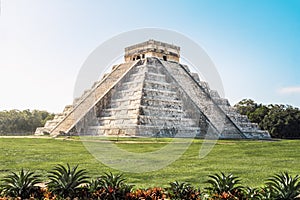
(255, 45)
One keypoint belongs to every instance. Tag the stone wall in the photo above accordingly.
(152, 48)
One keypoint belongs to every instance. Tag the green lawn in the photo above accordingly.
(252, 161)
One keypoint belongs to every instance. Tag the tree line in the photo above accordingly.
(16, 122)
(282, 121)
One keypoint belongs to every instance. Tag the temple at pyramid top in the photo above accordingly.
(152, 48)
(152, 94)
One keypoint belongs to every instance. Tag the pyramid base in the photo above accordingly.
(144, 131)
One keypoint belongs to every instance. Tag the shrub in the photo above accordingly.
(284, 187)
(252, 193)
(21, 185)
(111, 186)
(147, 194)
(66, 181)
(223, 185)
(71, 183)
(179, 191)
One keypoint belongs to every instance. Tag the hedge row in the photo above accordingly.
(67, 182)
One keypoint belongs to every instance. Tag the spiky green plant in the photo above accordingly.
(65, 181)
(94, 185)
(22, 184)
(252, 193)
(112, 186)
(111, 180)
(284, 187)
(221, 183)
(182, 190)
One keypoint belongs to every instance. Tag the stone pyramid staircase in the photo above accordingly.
(152, 97)
(249, 129)
(145, 103)
(66, 121)
(216, 108)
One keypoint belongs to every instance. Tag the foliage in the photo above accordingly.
(282, 121)
(221, 184)
(110, 186)
(252, 193)
(280, 186)
(147, 194)
(246, 106)
(178, 191)
(22, 122)
(66, 181)
(284, 187)
(21, 185)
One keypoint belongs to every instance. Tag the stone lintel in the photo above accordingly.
(152, 48)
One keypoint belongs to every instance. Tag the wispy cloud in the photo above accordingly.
(289, 90)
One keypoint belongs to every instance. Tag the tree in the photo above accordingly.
(246, 106)
(22, 122)
(282, 121)
(258, 114)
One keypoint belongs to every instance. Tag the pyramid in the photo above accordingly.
(152, 94)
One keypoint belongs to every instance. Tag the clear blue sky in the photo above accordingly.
(255, 44)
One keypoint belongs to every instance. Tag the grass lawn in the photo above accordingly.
(252, 161)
